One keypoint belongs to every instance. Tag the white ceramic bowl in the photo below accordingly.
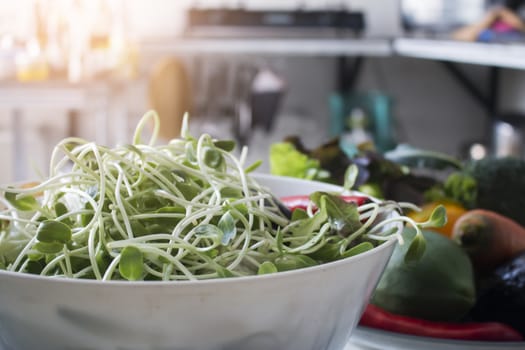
(314, 308)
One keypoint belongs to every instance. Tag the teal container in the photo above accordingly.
(378, 109)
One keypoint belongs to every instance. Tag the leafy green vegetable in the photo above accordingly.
(286, 160)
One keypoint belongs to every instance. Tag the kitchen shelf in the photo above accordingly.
(495, 55)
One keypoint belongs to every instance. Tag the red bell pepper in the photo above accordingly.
(302, 201)
(378, 318)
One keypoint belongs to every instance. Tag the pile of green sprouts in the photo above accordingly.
(185, 210)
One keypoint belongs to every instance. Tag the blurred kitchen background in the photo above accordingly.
(430, 73)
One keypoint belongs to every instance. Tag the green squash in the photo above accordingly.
(439, 287)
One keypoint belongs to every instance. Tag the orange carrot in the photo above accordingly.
(489, 238)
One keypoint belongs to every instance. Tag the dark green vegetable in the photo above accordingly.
(438, 287)
(496, 184)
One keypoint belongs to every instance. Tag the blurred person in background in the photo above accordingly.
(503, 22)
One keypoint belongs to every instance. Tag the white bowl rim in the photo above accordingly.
(213, 281)
(242, 279)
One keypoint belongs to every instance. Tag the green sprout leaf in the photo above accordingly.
(23, 203)
(416, 249)
(279, 241)
(208, 231)
(170, 222)
(350, 176)
(227, 226)
(131, 265)
(51, 231)
(224, 272)
(328, 252)
(253, 167)
(230, 192)
(103, 259)
(49, 248)
(343, 216)
(307, 225)
(226, 145)
(34, 267)
(188, 191)
(438, 218)
(213, 158)
(289, 262)
(266, 268)
(190, 153)
(85, 219)
(358, 249)
(299, 214)
(60, 209)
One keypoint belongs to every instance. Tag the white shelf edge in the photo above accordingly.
(303, 47)
(498, 55)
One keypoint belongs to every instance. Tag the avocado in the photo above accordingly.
(439, 286)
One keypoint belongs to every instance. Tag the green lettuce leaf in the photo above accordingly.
(286, 160)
